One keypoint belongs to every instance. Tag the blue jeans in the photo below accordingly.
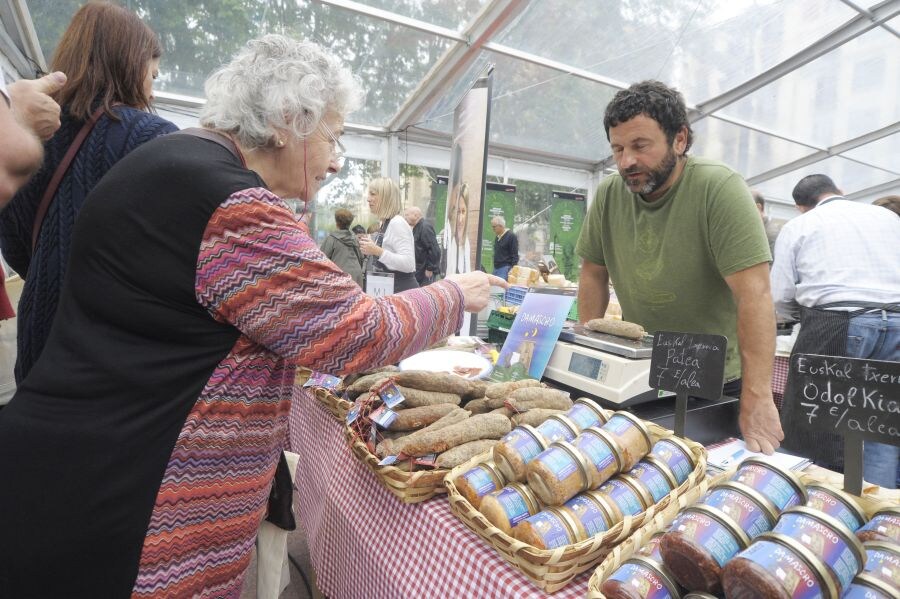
(502, 271)
(876, 336)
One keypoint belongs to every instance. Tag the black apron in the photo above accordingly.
(403, 281)
(822, 332)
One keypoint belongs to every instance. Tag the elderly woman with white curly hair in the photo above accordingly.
(138, 455)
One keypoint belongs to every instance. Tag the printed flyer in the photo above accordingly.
(533, 335)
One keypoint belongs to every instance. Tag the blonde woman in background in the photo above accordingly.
(393, 246)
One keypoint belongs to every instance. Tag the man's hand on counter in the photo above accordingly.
(759, 422)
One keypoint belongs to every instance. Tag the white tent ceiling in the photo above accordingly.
(777, 89)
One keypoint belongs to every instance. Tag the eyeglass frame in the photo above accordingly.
(338, 151)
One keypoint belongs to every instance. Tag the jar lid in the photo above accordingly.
(867, 580)
(638, 487)
(834, 524)
(663, 468)
(610, 441)
(572, 523)
(788, 475)
(584, 468)
(764, 503)
(602, 502)
(641, 426)
(882, 546)
(888, 510)
(567, 422)
(660, 570)
(494, 472)
(534, 433)
(600, 412)
(844, 497)
(725, 520)
(699, 595)
(534, 506)
(826, 582)
(682, 445)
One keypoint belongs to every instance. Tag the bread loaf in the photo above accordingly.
(481, 426)
(463, 453)
(619, 328)
(416, 398)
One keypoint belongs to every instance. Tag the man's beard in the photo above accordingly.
(656, 177)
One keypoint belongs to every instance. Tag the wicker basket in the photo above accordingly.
(408, 487)
(552, 569)
(873, 499)
(337, 406)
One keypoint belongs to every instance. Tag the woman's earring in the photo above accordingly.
(280, 143)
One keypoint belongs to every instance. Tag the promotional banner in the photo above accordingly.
(534, 333)
(499, 200)
(461, 232)
(566, 217)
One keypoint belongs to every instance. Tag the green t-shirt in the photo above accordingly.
(668, 258)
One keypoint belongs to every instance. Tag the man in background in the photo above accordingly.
(506, 248)
(684, 243)
(772, 228)
(837, 267)
(428, 253)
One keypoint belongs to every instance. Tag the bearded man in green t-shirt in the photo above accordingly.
(683, 243)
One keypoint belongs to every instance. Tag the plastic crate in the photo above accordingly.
(515, 295)
(498, 325)
(573, 311)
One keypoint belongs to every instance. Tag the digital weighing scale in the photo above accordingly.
(611, 368)
(615, 371)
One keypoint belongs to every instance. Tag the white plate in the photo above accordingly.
(445, 360)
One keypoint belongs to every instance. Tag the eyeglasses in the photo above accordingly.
(338, 150)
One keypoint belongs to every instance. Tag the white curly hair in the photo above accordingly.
(278, 83)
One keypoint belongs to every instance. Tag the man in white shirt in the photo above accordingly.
(837, 267)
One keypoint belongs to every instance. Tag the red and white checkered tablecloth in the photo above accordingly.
(364, 542)
(779, 378)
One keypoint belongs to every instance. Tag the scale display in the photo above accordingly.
(586, 366)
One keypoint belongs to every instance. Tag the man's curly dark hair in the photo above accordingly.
(663, 104)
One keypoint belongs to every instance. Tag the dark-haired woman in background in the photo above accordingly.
(111, 59)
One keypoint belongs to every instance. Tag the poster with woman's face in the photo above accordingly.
(461, 234)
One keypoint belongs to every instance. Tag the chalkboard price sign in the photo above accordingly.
(688, 363)
(848, 396)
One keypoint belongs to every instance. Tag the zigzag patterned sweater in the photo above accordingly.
(44, 271)
(138, 456)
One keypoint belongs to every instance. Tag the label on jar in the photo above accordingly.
(551, 529)
(589, 513)
(553, 430)
(651, 548)
(523, 444)
(824, 543)
(624, 496)
(618, 425)
(825, 502)
(559, 462)
(479, 479)
(770, 484)
(651, 478)
(583, 416)
(740, 508)
(643, 580)
(598, 452)
(887, 524)
(792, 573)
(514, 505)
(674, 458)
(883, 565)
(709, 534)
(862, 591)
